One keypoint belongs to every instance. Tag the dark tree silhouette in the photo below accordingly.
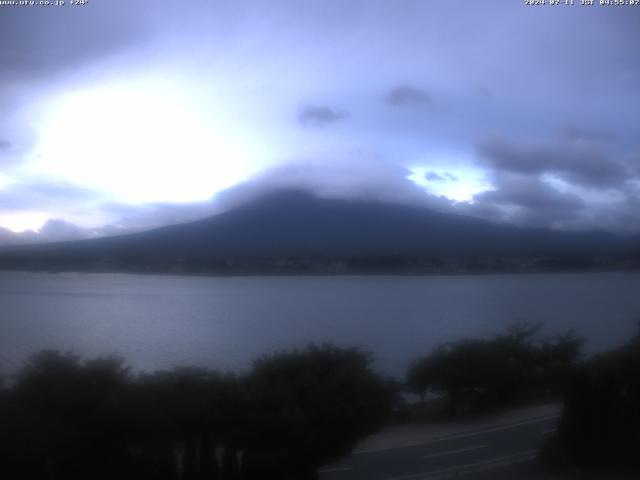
(181, 417)
(67, 419)
(312, 406)
(600, 423)
(482, 373)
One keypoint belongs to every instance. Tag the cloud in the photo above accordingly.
(350, 174)
(59, 41)
(55, 230)
(400, 63)
(434, 177)
(18, 138)
(575, 162)
(529, 192)
(60, 230)
(133, 218)
(7, 237)
(440, 177)
(527, 200)
(589, 135)
(341, 173)
(406, 95)
(635, 165)
(618, 213)
(44, 192)
(314, 116)
(49, 47)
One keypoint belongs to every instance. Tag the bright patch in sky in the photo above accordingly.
(19, 222)
(138, 144)
(5, 181)
(461, 186)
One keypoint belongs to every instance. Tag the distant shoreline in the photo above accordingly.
(307, 273)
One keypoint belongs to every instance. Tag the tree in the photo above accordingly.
(481, 373)
(600, 422)
(66, 418)
(311, 407)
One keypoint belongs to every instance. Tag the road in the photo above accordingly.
(471, 453)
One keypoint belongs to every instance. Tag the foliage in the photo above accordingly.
(600, 423)
(65, 418)
(481, 373)
(316, 403)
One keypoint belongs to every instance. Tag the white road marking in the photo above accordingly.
(453, 452)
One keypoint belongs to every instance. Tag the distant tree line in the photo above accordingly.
(60, 258)
(64, 418)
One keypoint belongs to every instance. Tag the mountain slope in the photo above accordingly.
(293, 224)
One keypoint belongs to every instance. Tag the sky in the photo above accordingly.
(117, 116)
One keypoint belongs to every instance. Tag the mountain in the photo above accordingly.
(293, 226)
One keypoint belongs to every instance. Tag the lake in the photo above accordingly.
(224, 322)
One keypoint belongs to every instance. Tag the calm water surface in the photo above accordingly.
(162, 321)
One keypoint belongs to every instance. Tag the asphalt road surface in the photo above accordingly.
(469, 454)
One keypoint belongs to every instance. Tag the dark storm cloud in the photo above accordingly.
(620, 214)
(314, 116)
(576, 162)
(529, 192)
(406, 95)
(527, 200)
